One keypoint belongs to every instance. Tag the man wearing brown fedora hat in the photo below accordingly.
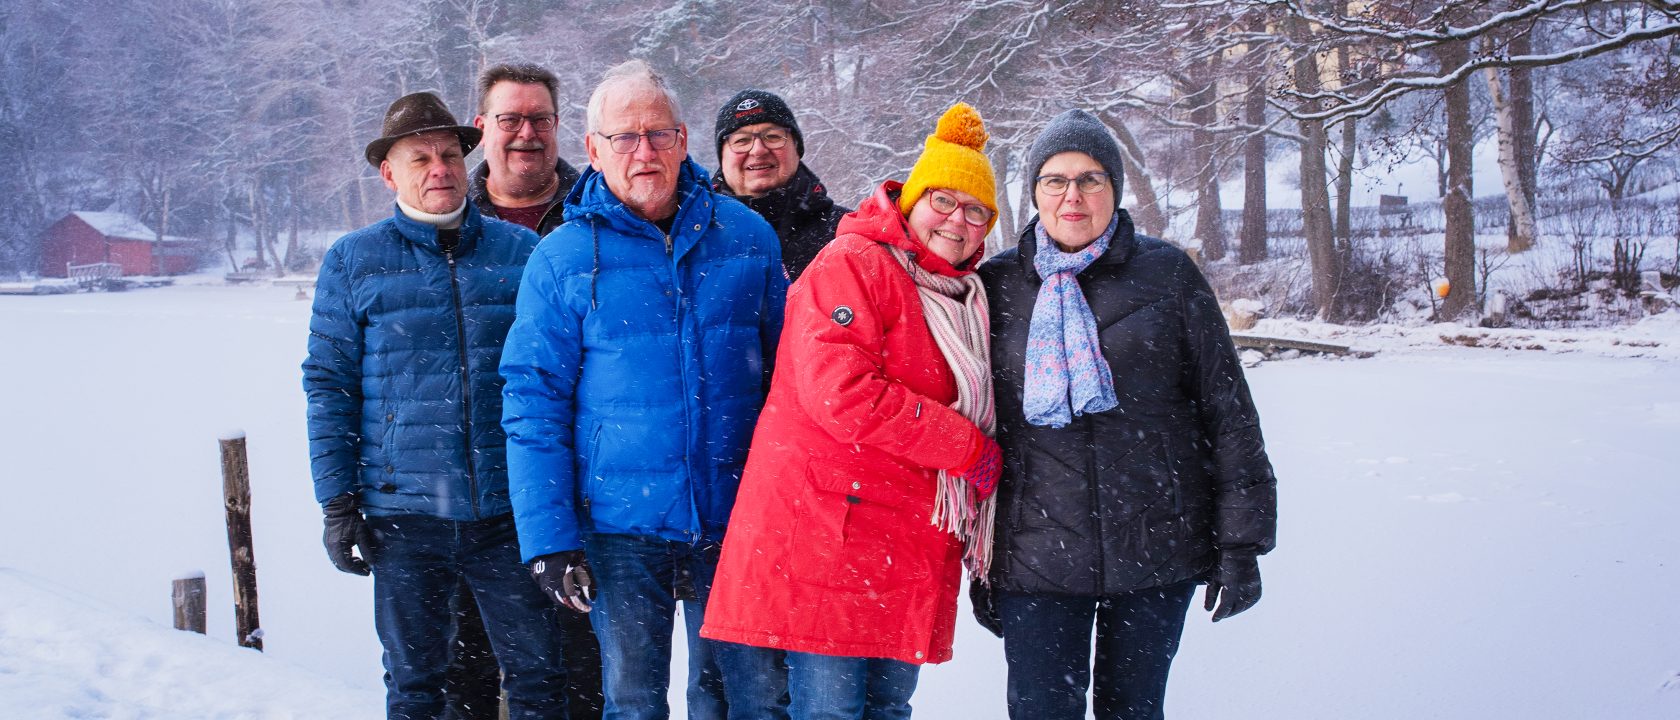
(407, 453)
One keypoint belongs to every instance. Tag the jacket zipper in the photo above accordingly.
(466, 382)
(1096, 498)
(1177, 485)
(688, 470)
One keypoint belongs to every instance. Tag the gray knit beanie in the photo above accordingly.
(1077, 131)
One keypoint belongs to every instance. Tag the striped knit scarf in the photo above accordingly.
(957, 316)
(1065, 369)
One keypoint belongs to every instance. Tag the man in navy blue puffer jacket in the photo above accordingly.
(404, 420)
(635, 373)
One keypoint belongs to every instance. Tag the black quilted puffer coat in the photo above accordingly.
(1148, 493)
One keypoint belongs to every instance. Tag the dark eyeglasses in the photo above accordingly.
(511, 122)
(945, 203)
(1089, 183)
(626, 143)
(742, 142)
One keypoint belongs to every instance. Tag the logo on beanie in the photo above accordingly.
(748, 107)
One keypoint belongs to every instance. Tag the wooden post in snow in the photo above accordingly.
(236, 494)
(188, 597)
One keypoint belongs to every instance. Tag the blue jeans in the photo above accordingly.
(1047, 644)
(638, 580)
(472, 685)
(828, 687)
(418, 563)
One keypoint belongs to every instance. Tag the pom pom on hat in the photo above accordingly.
(962, 125)
(953, 158)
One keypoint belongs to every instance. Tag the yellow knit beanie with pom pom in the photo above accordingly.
(954, 159)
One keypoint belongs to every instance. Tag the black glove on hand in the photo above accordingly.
(1235, 584)
(985, 608)
(345, 531)
(565, 578)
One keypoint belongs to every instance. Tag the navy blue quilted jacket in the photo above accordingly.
(637, 367)
(404, 396)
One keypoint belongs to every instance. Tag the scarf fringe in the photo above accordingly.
(956, 512)
(957, 317)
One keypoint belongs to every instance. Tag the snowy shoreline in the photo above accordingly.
(1459, 526)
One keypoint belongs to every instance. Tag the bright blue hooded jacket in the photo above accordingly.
(404, 395)
(637, 367)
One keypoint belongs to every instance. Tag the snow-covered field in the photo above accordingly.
(1465, 532)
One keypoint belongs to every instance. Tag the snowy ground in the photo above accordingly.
(1465, 532)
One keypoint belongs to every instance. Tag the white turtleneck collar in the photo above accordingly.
(446, 221)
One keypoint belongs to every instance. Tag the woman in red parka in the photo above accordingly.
(872, 465)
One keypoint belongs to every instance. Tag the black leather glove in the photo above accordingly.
(565, 578)
(345, 531)
(985, 609)
(1234, 585)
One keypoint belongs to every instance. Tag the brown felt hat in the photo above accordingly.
(421, 112)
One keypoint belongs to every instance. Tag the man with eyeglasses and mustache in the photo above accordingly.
(761, 163)
(635, 370)
(523, 179)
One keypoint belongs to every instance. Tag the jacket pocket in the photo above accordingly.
(856, 544)
(586, 467)
(897, 487)
(1017, 499)
(1193, 486)
(379, 468)
(1176, 487)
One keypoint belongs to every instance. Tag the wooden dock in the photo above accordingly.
(1277, 344)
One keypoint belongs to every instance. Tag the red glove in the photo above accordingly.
(983, 469)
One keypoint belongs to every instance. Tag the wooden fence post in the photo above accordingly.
(188, 598)
(236, 494)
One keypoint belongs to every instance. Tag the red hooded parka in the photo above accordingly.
(830, 548)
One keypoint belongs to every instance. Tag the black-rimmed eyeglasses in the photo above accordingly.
(742, 142)
(626, 143)
(1089, 183)
(511, 122)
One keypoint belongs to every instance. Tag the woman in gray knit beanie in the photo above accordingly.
(1134, 468)
(1077, 131)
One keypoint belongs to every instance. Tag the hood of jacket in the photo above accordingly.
(591, 198)
(878, 219)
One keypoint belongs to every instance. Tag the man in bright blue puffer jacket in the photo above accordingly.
(635, 373)
(404, 420)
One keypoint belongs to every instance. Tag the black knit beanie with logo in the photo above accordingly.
(750, 107)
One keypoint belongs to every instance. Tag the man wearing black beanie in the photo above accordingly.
(759, 150)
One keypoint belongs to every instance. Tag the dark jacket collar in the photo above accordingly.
(801, 197)
(1120, 248)
(478, 185)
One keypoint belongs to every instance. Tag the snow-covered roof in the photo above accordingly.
(117, 225)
